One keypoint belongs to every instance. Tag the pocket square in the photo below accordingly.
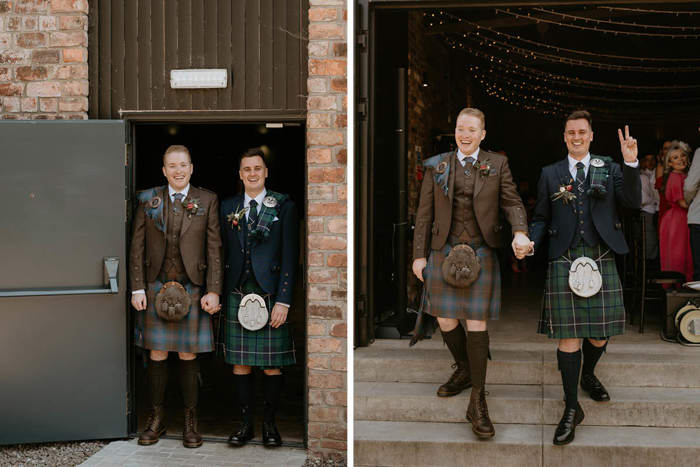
(275, 219)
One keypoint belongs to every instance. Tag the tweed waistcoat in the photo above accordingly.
(585, 229)
(173, 268)
(464, 228)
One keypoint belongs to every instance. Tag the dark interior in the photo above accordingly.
(525, 99)
(215, 149)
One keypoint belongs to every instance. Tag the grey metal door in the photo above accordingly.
(63, 346)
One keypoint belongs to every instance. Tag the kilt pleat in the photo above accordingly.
(267, 347)
(480, 301)
(566, 315)
(192, 334)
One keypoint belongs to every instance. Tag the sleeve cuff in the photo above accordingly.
(283, 304)
(134, 292)
(634, 164)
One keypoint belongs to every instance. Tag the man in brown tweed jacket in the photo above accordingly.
(459, 204)
(176, 243)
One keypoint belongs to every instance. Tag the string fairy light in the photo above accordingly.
(616, 23)
(651, 11)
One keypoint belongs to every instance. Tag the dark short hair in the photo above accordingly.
(253, 152)
(176, 148)
(578, 115)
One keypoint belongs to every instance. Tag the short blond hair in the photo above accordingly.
(177, 148)
(473, 112)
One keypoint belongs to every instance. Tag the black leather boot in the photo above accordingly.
(157, 374)
(190, 437)
(244, 389)
(566, 430)
(461, 378)
(155, 427)
(273, 388)
(477, 411)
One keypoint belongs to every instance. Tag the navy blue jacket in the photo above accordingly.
(274, 260)
(559, 220)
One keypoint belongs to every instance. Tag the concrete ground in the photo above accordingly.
(171, 453)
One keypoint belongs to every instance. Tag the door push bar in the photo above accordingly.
(111, 285)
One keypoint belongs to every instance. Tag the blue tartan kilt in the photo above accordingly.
(192, 334)
(266, 348)
(480, 301)
(566, 315)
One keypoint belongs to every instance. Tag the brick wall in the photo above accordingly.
(43, 59)
(327, 228)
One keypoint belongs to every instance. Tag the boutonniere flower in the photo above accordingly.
(483, 167)
(565, 193)
(191, 206)
(235, 218)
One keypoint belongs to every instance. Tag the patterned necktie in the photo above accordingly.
(178, 197)
(253, 213)
(468, 164)
(580, 176)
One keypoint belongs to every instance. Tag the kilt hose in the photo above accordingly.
(266, 348)
(480, 301)
(192, 334)
(566, 315)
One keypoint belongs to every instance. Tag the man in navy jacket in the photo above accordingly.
(261, 254)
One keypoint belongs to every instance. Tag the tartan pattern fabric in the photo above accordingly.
(566, 315)
(267, 347)
(479, 301)
(266, 215)
(580, 177)
(193, 334)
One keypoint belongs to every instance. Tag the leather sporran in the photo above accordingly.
(173, 302)
(461, 267)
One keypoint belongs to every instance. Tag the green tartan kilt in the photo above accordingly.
(267, 347)
(566, 315)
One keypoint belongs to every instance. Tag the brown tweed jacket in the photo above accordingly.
(200, 240)
(492, 193)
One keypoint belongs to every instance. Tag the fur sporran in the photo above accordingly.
(461, 267)
(173, 302)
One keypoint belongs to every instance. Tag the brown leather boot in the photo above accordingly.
(478, 414)
(190, 437)
(458, 382)
(155, 428)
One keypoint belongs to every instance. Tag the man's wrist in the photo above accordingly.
(283, 304)
(134, 292)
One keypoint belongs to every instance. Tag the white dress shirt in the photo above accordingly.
(463, 158)
(259, 199)
(650, 196)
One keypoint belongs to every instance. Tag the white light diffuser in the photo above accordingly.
(198, 78)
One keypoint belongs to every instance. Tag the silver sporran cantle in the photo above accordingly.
(584, 277)
(252, 312)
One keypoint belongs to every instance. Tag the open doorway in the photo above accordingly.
(215, 150)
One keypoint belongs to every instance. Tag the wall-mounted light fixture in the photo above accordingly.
(425, 80)
(198, 78)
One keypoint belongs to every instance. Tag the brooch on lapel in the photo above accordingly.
(191, 206)
(269, 201)
(235, 218)
(154, 203)
(565, 193)
(441, 167)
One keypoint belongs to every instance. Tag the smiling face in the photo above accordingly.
(469, 133)
(677, 161)
(177, 168)
(578, 136)
(253, 173)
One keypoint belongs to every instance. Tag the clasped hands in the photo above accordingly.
(522, 246)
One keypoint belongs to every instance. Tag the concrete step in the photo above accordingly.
(529, 404)
(453, 444)
(517, 366)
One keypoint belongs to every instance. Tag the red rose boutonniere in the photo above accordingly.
(235, 218)
(484, 168)
(565, 193)
(191, 206)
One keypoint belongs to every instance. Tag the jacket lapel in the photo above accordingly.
(453, 167)
(240, 233)
(186, 218)
(479, 179)
(165, 196)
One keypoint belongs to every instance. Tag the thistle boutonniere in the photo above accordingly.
(483, 167)
(235, 218)
(191, 206)
(565, 193)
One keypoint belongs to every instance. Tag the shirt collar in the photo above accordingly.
(463, 157)
(258, 199)
(172, 191)
(586, 161)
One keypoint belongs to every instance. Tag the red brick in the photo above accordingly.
(72, 72)
(319, 292)
(5, 6)
(342, 193)
(325, 137)
(317, 328)
(30, 6)
(14, 23)
(323, 192)
(326, 381)
(30, 40)
(341, 121)
(316, 257)
(337, 431)
(11, 104)
(339, 84)
(339, 295)
(342, 156)
(323, 276)
(340, 49)
(340, 330)
(335, 445)
(72, 22)
(47, 23)
(327, 242)
(11, 89)
(315, 225)
(44, 89)
(318, 156)
(48, 104)
(327, 209)
(327, 67)
(323, 14)
(69, 6)
(318, 362)
(68, 39)
(324, 345)
(322, 103)
(337, 260)
(315, 429)
(326, 414)
(338, 225)
(73, 104)
(76, 88)
(319, 120)
(75, 55)
(316, 398)
(326, 31)
(339, 363)
(325, 311)
(326, 175)
(29, 23)
(45, 56)
(13, 116)
(317, 84)
(11, 57)
(319, 48)
(29, 104)
(5, 74)
(31, 73)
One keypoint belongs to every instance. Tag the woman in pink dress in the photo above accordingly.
(674, 235)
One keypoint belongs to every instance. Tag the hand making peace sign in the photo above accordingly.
(628, 145)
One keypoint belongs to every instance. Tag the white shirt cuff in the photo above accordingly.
(634, 164)
(283, 304)
(138, 291)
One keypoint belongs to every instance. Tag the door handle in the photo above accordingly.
(111, 284)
